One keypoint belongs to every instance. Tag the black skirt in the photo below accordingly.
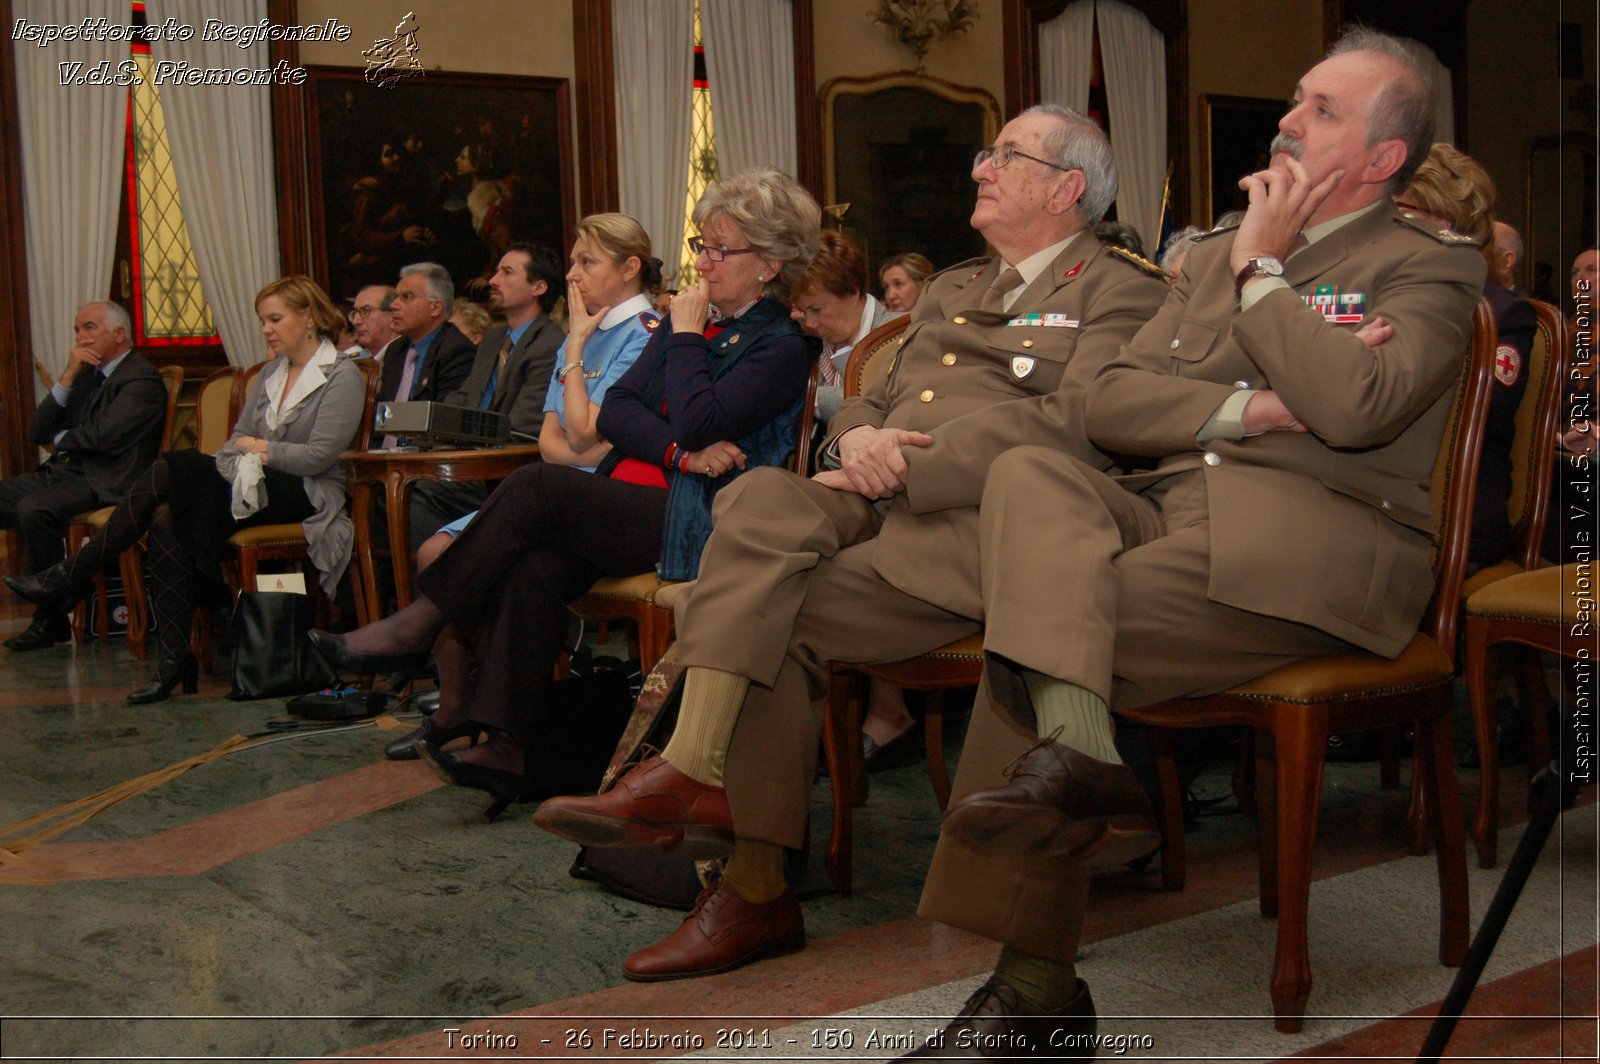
(201, 502)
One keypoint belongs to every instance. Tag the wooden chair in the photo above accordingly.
(1532, 460)
(85, 525)
(1293, 710)
(634, 598)
(1541, 609)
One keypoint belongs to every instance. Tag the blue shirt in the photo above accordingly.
(609, 353)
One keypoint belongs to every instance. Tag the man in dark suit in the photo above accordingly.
(431, 357)
(104, 417)
(510, 375)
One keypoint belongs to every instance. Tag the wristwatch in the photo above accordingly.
(561, 374)
(1260, 266)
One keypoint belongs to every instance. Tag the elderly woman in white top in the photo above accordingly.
(830, 302)
(281, 465)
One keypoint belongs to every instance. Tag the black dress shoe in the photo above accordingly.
(404, 748)
(1058, 801)
(996, 1023)
(168, 677)
(903, 749)
(48, 629)
(47, 587)
(348, 661)
(504, 787)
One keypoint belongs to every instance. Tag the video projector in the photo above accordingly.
(436, 423)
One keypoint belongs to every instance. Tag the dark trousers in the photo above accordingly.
(541, 538)
(39, 505)
(183, 504)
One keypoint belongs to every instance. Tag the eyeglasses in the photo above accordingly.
(715, 254)
(361, 312)
(1000, 155)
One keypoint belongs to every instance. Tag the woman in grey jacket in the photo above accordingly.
(281, 465)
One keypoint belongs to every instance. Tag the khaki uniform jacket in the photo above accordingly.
(981, 382)
(1330, 528)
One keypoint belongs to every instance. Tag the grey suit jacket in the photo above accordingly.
(111, 436)
(520, 396)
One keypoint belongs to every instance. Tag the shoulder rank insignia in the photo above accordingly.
(649, 320)
(1436, 228)
(1139, 262)
(1218, 231)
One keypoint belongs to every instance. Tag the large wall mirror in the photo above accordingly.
(898, 149)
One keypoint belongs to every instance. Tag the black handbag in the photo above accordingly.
(271, 655)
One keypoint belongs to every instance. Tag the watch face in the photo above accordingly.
(1270, 267)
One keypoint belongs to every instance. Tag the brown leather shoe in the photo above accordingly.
(722, 932)
(651, 804)
(1058, 801)
(996, 1023)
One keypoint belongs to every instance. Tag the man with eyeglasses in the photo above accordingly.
(372, 319)
(876, 558)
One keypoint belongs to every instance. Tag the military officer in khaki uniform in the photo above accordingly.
(876, 559)
(1293, 392)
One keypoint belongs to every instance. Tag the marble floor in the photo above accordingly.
(299, 897)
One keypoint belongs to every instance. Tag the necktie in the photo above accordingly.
(403, 393)
(995, 298)
(494, 375)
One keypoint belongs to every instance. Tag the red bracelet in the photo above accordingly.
(683, 463)
(672, 454)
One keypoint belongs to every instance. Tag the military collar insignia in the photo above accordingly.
(1074, 271)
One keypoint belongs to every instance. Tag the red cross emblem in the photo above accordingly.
(1507, 364)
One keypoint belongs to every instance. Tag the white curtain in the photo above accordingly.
(221, 143)
(1135, 57)
(1444, 112)
(1066, 56)
(750, 62)
(72, 148)
(653, 52)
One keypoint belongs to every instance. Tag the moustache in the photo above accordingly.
(1288, 145)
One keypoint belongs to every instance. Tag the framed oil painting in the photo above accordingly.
(898, 148)
(446, 168)
(1235, 132)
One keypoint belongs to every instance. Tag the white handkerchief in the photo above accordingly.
(249, 486)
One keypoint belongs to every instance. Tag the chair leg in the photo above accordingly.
(1444, 815)
(841, 731)
(1417, 812)
(933, 741)
(1266, 823)
(1244, 774)
(1483, 673)
(1300, 736)
(655, 633)
(1174, 850)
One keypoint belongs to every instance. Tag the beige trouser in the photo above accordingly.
(1119, 607)
(786, 587)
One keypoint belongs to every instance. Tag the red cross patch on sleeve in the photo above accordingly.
(1507, 364)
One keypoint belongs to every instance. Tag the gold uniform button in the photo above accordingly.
(949, 359)
(959, 320)
(927, 395)
(1027, 343)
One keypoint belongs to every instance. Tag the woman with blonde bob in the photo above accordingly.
(717, 390)
(280, 466)
(903, 277)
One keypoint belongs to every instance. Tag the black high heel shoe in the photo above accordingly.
(404, 748)
(346, 660)
(186, 672)
(504, 787)
(48, 587)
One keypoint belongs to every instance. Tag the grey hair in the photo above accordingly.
(777, 215)
(1403, 108)
(116, 316)
(1079, 144)
(440, 286)
(1177, 244)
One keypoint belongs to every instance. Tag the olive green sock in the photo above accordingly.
(712, 700)
(1081, 715)
(755, 871)
(1049, 986)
